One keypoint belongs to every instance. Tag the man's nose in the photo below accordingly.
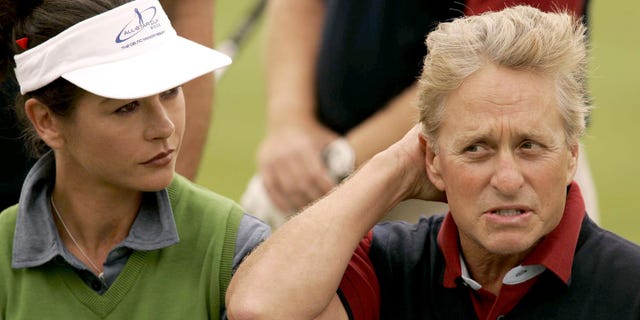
(507, 177)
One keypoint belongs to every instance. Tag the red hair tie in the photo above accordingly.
(23, 43)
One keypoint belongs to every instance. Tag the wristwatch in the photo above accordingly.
(339, 158)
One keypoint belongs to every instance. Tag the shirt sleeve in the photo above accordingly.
(359, 289)
(251, 232)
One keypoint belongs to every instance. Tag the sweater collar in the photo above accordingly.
(36, 240)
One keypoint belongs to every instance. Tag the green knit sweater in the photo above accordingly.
(184, 281)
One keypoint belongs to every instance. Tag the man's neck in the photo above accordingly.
(486, 268)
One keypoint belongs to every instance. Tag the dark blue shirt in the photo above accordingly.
(370, 52)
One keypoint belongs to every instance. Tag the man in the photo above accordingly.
(502, 108)
(341, 84)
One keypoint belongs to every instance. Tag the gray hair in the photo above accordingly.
(520, 38)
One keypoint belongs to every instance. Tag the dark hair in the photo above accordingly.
(38, 21)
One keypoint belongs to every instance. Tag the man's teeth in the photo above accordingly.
(508, 212)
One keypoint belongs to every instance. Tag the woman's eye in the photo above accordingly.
(171, 93)
(129, 107)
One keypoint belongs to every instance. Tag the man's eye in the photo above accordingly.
(477, 151)
(473, 148)
(529, 145)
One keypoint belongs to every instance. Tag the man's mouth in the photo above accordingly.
(507, 212)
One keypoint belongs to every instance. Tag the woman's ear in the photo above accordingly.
(44, 121)
(432, 164)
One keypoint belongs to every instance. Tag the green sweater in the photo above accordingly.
(184, 281)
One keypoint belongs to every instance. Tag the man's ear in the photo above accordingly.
(43, 120)
(432, 163)
(574, 154)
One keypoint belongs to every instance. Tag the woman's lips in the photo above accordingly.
(161, 159)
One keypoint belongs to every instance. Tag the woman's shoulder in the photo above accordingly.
(7, 230)
(185, 194)
(8, 220)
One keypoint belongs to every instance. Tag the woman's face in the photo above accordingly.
(126, 144)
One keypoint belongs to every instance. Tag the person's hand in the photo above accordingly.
(410, 155)
(290, 162)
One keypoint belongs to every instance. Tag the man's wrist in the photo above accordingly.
(340, 159)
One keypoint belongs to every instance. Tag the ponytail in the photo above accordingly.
(12, 13)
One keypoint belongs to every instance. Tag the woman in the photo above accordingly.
(104, 227)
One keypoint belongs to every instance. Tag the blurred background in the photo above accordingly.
(612, 142)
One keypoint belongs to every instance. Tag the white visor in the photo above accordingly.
(125, 53)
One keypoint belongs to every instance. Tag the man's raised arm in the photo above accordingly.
(295, 273)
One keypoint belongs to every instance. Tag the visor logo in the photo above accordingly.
(144, 19)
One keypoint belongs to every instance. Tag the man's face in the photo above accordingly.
(503, 160)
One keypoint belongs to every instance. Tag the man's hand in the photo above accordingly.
(410, 153)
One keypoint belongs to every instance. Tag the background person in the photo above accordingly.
(105, 228)
(341, 85)
(502, 108)
(194, 20)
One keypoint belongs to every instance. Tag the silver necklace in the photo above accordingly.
(100, 274)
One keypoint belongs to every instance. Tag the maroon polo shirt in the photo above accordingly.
(361, 292)
(555, 252)
(479, 6)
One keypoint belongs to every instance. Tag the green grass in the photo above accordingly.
(612, 144)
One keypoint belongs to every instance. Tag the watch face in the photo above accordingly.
(339, 159)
